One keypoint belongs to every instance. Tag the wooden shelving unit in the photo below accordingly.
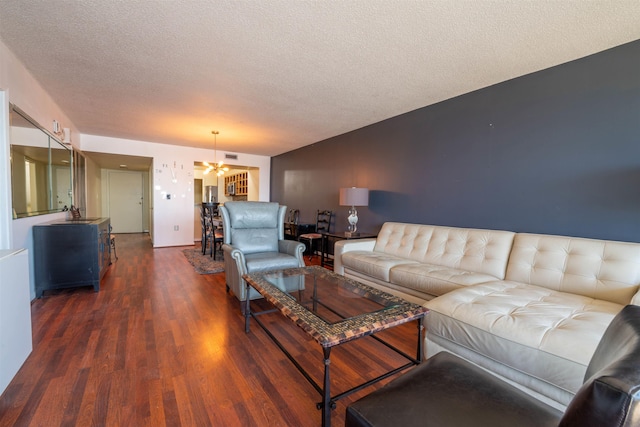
(241, 181)
(242, 184)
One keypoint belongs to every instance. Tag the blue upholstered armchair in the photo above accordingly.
(254, 241)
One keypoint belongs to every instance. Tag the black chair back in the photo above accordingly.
(323, 221)
(610, 395)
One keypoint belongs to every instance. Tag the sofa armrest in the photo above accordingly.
(234, 267)
(343, 246)
(636, 298)
(293, 248)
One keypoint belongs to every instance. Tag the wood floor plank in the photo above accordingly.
(72, 410)
(156, 416)
(160, 345)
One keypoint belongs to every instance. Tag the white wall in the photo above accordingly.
(254, 184)
(93, 183)
(21, 89)
(25, 92)
(167, 214)
(172, 175)
(6, 215)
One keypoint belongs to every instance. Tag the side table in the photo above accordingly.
(339, 236)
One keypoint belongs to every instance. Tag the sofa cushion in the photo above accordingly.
(373, 264)
(482, 251)
(599, 269)
(434, 279)
(547, 334)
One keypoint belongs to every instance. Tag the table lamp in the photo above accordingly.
(353, 197)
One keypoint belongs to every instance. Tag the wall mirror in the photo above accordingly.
(41, 178)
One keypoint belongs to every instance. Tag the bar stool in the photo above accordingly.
(112, 243)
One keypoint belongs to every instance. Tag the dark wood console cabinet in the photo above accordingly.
(71, 253)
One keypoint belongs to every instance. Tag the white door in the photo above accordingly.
(63, 188)
(125, 201)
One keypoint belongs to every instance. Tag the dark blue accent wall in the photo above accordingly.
(555, 152)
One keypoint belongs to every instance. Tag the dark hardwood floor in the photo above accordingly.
(162, 345)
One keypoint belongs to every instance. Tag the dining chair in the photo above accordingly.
(323, 225)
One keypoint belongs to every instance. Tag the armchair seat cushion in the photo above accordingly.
(266, 261)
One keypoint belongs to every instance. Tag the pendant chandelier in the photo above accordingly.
(217, 165)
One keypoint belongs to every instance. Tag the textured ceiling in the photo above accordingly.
(275, 75)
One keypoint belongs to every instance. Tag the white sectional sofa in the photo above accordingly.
(530, 308)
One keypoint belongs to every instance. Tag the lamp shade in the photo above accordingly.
(354, 196)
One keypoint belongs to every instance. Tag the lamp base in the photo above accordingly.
(353, 222)
(351, 233)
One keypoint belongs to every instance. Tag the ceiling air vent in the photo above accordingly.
(231, 156)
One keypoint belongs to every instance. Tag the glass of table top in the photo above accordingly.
(332, 308)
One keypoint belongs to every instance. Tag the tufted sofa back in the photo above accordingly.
(599, 269)
(482, 251)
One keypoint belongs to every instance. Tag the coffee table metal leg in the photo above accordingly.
(420, 339)
(326, 398)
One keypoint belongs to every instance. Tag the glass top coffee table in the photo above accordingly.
(333, 310)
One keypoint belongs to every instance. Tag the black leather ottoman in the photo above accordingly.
(448, 391)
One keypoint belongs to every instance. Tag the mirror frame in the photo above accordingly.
(45, 178)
